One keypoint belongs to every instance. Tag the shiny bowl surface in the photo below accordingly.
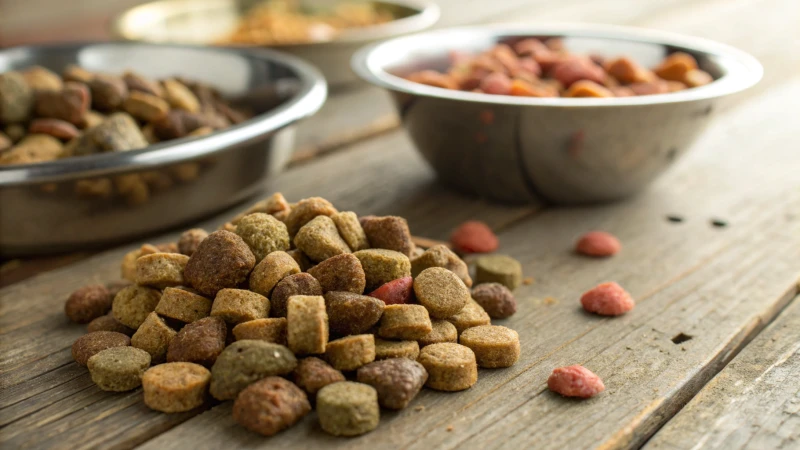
(83, 202)
(554, 150)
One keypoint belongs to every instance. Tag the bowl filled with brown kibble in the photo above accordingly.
(557, 114)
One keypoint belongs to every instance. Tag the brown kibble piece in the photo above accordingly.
(90, 344)
(313, 374)
(76, 73)
(351, 352)
(410, 322)
(33, 148)
(441, 256)
(396, 380)
(472, 315)
(139, 83)
(319, 239)
(494, 346)
(307, 324)
(587, 88)
(675, 66)
(118, 133)
(59, 129)
(382, 266)
(263, 233)
(179, 96)
(340, 273)
(396, 349)
(154, 337)
(442, 331)
(495, 299)
(133, 304)
(270, 405)
(146, 107)
(118, 369)
(389, 232)
(239, 305)
(270, 271)
(627, 71)
(175, 387)
(109, 323)
(244, 362)
(108, 92)
(115, 286)
(88, 303)
(128, 266)
(222, 260)
(500, 269)
(70, 103)
(348, 408)
(199, 342)
(651, 88)
(301, 258)
(271, 205)
(305, 210)
(190, 240)
(297, 284)
(450, 367)
(270, 330)
(42, 79)
(350, 313)
(161, 270)
(16, 98)
(441, 292)
(180, 304)
(351, 230)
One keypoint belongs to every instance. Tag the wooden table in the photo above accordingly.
(710, 357)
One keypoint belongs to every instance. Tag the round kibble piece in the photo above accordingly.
(575, 381)
(307, 324)
(305, 210)
(396, 349)
(154, 337)
(396, 380)
(180, 304)
(222, 260)
(441, 256)
(450, 367)
(297, 284)
(350, 230)
(239, 305)
(382, 266)
(410, 322)
(474, 237)
(118, 369)
(88, 303)
(161, 270)
(472, 315)
(90, 344)
(270, 271)
(396, 292)
(263, 233)
(175, 387)
(500, 269)
(441, 292)
(350, 313)
(494, 346)
(351, 352)
(244, 362)
(607, 299)
(348, 408)
(190, 240)
(389, 232)
(443, 331)
(270, 405)
(199, 342)
(319, 239)
(132, 305)
(340, 273)
(270, 330)
(313, 374)
(109, 323)
(495, 299)
(598, 243)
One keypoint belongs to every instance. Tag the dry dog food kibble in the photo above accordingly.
(109, 323)
(222, 260)
(441, 292)
(190, 240)
(348, 408)
(161, 270)
(598, 243)
(271, 270)
(382, 266)
(118, 369)
(575, 381)
(351, 230)
(319, 239)
(450, 367)
(305, 210)
(395, 292)
(340, 273)
(441, 256)
(351, 352)
(88, 303)
(182, 305)
(270, 330)
(409, 322)
(263, 233)
(239, 305)
(297, 284)
(199, 342)
(472, 315)
(396, 349)
(443, 331)
(244, 362)
(270, 405)
(607, 299)
(133, 304)
(494, 346)
(474, 237)
(495, 299)
(307, 324)
(499, 269)
(154, 337)
(175, 387)
(389, 232)
(301, 259)
(397, 381)
(313, 374)
(350, 313)
(90, 344)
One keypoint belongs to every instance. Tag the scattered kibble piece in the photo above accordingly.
(244, 362)
(307, 324)
(497, 300)
(90, 344)
(199, 342)
(118, 369)
(575, 381)
(222, 260)
(109, 323)
(270, 405)
(598, 243)
(239, 305)
(450, 366)
(350, 313)
(441, 292)
(494, 346)
(313, 374)
(389, 232)
(183, 305)
(474, 237)
(351, 230)
(607, 299)
(348, 409)
(442, 331)
(396, 349)
(351, 352)
(441, 256)
(382, 266)
(88, 303)
(161, 270)
(397, 381)
(342, 273)
(500, 269)
(472, 315)
(154, 337)
(175, 387)
(272, 269)
(319, 239)
(190, 240)
(395, 292)
(408, 322)
(263, 233)
(270, 330)
(133, 304)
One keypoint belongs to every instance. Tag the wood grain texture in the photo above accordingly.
(753, 403)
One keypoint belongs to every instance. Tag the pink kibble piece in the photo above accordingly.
(607, 299)
(395, 292)
(598, 243)
(496, 83)
(575, 381)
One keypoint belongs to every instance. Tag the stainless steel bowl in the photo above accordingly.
(558, 150)
(205, 22)
(46, 208)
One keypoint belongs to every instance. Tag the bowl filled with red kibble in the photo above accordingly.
(563, 114)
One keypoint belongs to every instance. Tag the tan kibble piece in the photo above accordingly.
(351, 231)
(382, 266)
(500, 269)
(313, 374)
(199, 342)
(472, 315)
(443, 331)
(119, 369)
(307, 324)
(263, 233)
(441, 256)
(244, 362)
(88, 303)
(319, 239)
(350, 313)
(388, 232)
(305, 210)
(273, 204)
(133, 304)
(222, 260)
(301, 258)
(408, 322)
(154, 336)
(396, 349)
(76, 73)
(90, 344)
(270, 330)
(32, 149)
(270, 271)
(675, 66)
(341, 273)
(145, 107)
(175, 387)
(351, 352)
(190, 240)
(239, 305)
(494, 346)
(297, 284)
(348, 408)
(161, 270)
(109, 323)
(140, 83)
(42, 79)
(180, 304)
(179, 96)
(451, 367)
(441, 292)
(147, 249)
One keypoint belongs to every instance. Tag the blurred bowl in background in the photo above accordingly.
(207, 22)
(76, 203)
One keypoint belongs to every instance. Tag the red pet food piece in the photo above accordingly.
(395, 292)
(607, 299)
(575, 381)
(474, 237)
(598, 243)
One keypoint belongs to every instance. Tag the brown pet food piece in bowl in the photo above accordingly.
(199, 342)
(297, 284)
(270, 330)
(270, 405)
(133, 304)
(397, 381)
(88, 303)
(70, 104)
(270, 271)
(313, 374)
(175, 387)
(90, 344)
(118, 369)
(239, 305)
(341, 273)
(350, 313)
(154, 337)
(222, 260)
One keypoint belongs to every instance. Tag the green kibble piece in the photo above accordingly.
(498, 269)
(263, 233)
(119, 369)
(154, 336)
(382, 266)
(244, 362)
(348, 409)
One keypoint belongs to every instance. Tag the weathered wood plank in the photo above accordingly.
(753, 403)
